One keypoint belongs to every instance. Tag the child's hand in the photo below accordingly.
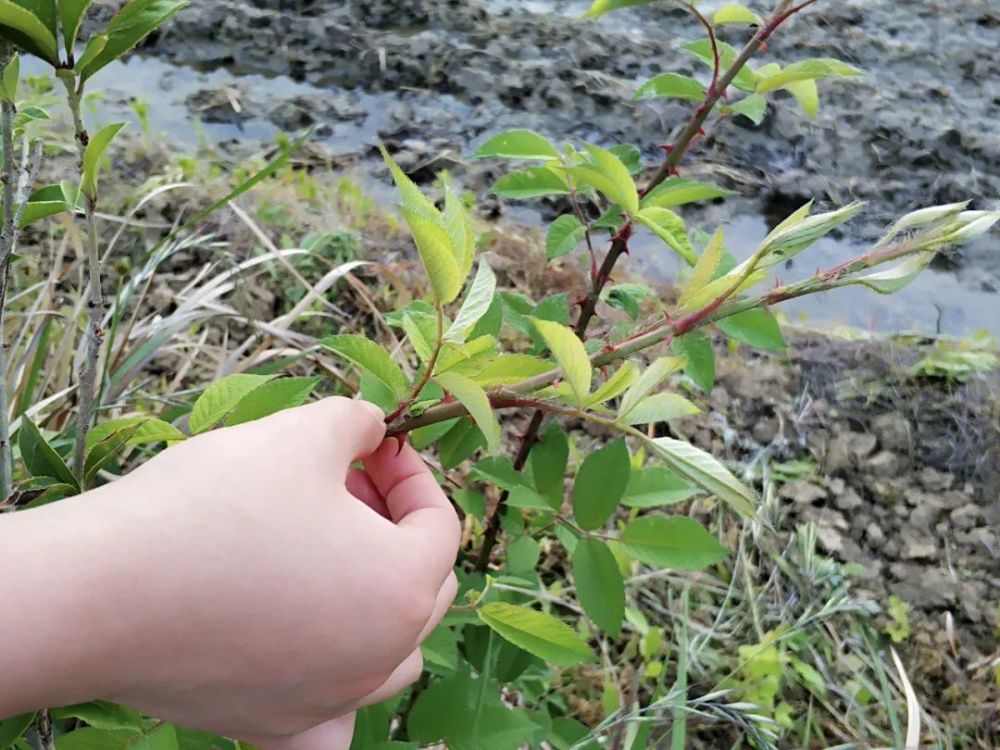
(249, 592)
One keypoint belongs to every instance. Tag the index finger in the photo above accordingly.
(416, 502)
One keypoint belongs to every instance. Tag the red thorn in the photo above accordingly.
(764, 48)
(401, 442)
(674, 171)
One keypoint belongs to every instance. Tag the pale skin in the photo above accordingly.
(247, 582)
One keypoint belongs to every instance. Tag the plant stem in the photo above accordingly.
(95, 298)
(6, 252)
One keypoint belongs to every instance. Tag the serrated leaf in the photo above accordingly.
(753, 107)
(736, 13)
(806, 70)
(133, 23)
(71, 14)
(600, 7)
(29, 31)
(421, 331)
(371, 357)
(509, 369)
(537, 633)
(89, 738)
(661, 407)
(47, 201)
(413, 198)
(894, 278)
(104, 451)
(571, 356)
(518, 144)
(806, 93)
(672, 85)
(609, 175)
(474, 398)
(9, 80)
(437, 255)
(564, 234)
(102, 715)
(40, 458)
(549, 458)
(534, 182)
(600, 483)
(746, 79)
(629, 155)
(756, 327)
(150, 430)
(599, 585)
(624, 377)
(656, 487)
(459, 227)
(670, 228)
(93, 155)
(704, 269)
(678, 543)
(272, 397)
(14, 728)
(220, 398)
(696, 347)
(477, 302)
(654, 375)
(702, 469)
(678, 191)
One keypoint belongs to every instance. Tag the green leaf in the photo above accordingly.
(736, 13)
(71, 14)
(806, 93)
(12, 729)
(163, 737)
(549, 458)
(441, 648)
(617, 384)
(95, 46)
(537, 633)
(131, 25)
(571, 356)
(894, 278)
(9, 80)
(509, 369)
(746, 79)
(518, 144)
(522, 556)
(704, 269)
(104, 451)
(600, 484)
(655, 487)
(670, 228)
(102, 715)
(678, 542)
(662, 407)
(807, 70)
(220, 398)
(478, 300)
(150, 430)
(437, 255)
(460, 442)
(599, 585)
(29, 31)
(421, 330)
(371, 357)
(40, 458)
(534, 182)
(756, 327)
(413, 199)
(89, 738)
(753, 107)
(704, 470)
(678, 191)
(474, 398)
(45, 202)
(459, 227)
(629, 155)
(655, 374)
(609, 175)
(93, 155)
(696, 347)
(272, 397)
(600, 7)
(673, 85)
(565, 233)
(629, 297)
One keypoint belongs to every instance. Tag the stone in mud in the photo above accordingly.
(802, 492)
(849, 499)
(935, 481)
(222, 105)
(883, 464)
(846, 449)
(966, 517)
(893, 432)
(924, 588)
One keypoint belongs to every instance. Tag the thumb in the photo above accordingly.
(348, 429)
(333, 735)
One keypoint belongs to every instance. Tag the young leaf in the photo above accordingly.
(71, 14)
(678, 191)
(600, 7)
(40, 458)
(93, 155)
(752, 107)
(9, 80)
(806, 70)
(599, 585)
(746, 79)
(104, 451)
(421, 331)
(565, 233)
(806, 93)
(617, 384)
(673, 85)
(45, 202)
(756, 327)
(459, 227)
(150, 431)
(656, 487)
(413, 199)
(474, 398)
(704, 470)
(272, 397)
(477, 302)
(670, 228)
(600, 484)
(371, 357)
(704, 269)
(220, 398)
(131, 25)
(534, 182)
(518, 144)
(736, 13)
(508, 369)
(678, 542)
(548, 464)
(102, 715)
(697, 349)
(571, 356)
(29, 31)
(537, 633)
(629, 155)
(655, 374)
(437, 255)
(662, 407)
(608, 174)
(13, 728)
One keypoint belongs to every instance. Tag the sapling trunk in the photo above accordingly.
(6, 252)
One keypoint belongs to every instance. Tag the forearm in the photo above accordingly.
(58, 635)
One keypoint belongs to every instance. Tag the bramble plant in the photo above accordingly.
(588, 478)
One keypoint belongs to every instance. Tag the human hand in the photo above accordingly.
(259, 587)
